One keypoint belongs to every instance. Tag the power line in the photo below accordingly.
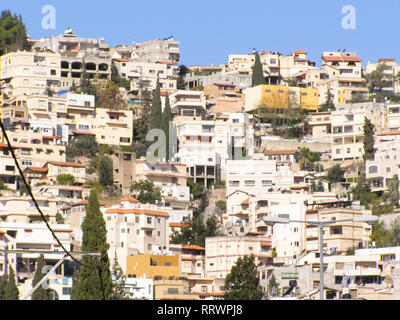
(41, 213)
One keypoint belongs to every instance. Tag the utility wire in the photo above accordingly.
(41, 213)
(31, 194)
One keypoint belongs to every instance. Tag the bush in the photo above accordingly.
(65, 179)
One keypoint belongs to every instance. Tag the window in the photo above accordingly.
(137, 219)
(66, 291)
(203, 288)
(387, 169)
(10, 168)
(336, 230)
(249, 183)
(149, 220)
(172, 290)
(373, 169)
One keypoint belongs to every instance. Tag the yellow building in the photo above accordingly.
(280, 97)
(172, 290)
(153, 266)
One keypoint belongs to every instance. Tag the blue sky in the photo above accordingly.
(210, 30)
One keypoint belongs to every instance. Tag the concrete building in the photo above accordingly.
(347, 128)
(275, 96)
(381, 169)
(55, 168)
(241, 63)
(144, 75)
(320, 126)
(134, 228)
(390, 71)
(339, 237)
(192, 259)
(238, 79)
(33, 239)
(223, 252)
(139, 288)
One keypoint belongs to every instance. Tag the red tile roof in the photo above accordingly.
(121, 60)
(246, 201)
(344, 59)
(273, 152)
(5, 145)
(177, 224)
(65, 164)
(193, 247)
(389, 133)
(137, 211)
(83, 133)
(37, 169)
(129, 198)
(51, 137)
(299, 51)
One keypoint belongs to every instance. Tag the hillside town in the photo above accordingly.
(197, 170)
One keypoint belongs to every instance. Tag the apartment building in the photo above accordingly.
(347, 128)
(169, 176)
(275, 96)
(150, 266)
(392, 117)
(381, 169)
(144, 75)
(113, 127)
(8, 170)
(35, 149)
(238, 79)
(241, 63)
(31, 73)
(270, 61)
(294, 64)
(320, 126)
(21, 209)
(134, 228)
(256, 176)
(139, 289)
(223, 252)
(192, 259)
(341, 236)
(217, 90)
(37, 239)
(390, 71)
(55, 168)
(157, 50)
(74, 52)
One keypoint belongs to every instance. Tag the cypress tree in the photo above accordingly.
(3, 284)
(119, 279)
(40, 293)
(258, 74)
(11, 291)
(156, 113)
(94, 279)
(166, 118)
(369, 150)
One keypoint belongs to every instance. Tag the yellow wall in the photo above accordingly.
(274, 96)
(139, 265)
(282, 97)
(309, 98)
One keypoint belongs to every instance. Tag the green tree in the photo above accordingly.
(380, 235)
(145, 191)
(117, 79)
(11, 291)
(13, 36)
(258, 73)
(166, 118)
(3, 284)
(59, 218)
(196, 189)
(221, 205)
(65, 179)
(362, 192)
(243, 283)
(377, 80)
(40, 293)
(180, 82)
(108, 95)
(335, 174)
(118, 276)
(369, 150)
(328, 104)
(196, 231)
(273, 286)
(86, 85)
(156, 113)
(393, 191)
(82, 145)
(105, 171)
(94, 280)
